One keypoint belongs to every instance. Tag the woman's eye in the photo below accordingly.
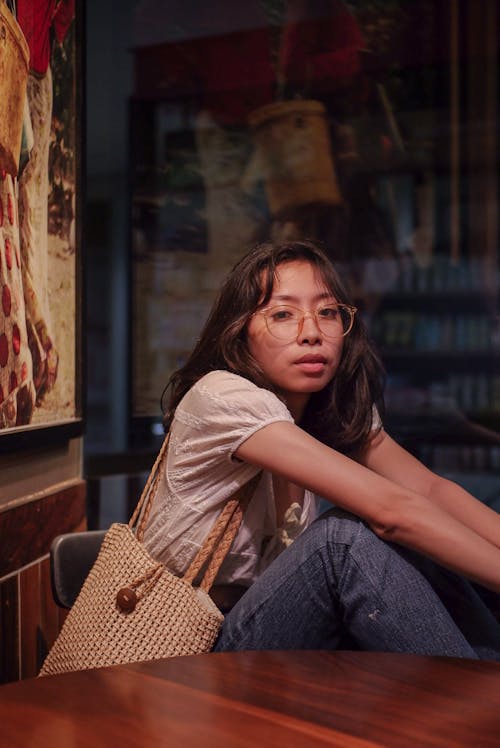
(281, 315)
(328, 312)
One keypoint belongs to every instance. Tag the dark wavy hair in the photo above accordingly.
(340, 415)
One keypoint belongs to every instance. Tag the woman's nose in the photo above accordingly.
(309, 331)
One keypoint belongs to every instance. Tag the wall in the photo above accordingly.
(42, 494)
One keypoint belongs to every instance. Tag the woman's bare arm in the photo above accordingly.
(395, 513)
(386, 457)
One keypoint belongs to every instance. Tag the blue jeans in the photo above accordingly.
(339, 586)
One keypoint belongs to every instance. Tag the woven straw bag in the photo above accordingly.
(131, 608)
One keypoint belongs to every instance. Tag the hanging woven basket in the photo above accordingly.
(14, 61)
(294, 154)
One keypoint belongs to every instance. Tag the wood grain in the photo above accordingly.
(28, 530)
(29, 610)
(9, 630)
(30, 620)
(293, 699)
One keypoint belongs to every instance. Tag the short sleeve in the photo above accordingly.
(214, 418)
(217, 414)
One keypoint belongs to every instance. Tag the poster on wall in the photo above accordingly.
(40, 357)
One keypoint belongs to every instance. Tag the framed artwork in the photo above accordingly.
(40, 227)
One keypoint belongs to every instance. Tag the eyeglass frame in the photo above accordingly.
(314, 312)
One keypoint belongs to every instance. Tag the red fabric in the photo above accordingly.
(231, 73)
(36, 20)
(237, 75)
(320, 46)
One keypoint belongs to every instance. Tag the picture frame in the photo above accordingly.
(41, 164)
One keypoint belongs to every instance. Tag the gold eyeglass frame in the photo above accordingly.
(314, 312)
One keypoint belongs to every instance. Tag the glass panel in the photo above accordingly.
(372, 126)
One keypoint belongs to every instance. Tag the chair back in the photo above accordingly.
(72, 555)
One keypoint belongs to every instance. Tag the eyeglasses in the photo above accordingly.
(286, 322)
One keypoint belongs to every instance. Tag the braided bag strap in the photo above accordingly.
(222, 549)
(219, 540)
(144, 504)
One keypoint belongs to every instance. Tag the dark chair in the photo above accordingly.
(71, 558)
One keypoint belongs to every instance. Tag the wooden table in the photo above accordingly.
(268, 699)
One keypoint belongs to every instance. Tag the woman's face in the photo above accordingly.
(307, 362)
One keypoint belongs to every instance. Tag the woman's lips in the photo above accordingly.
(311, 364)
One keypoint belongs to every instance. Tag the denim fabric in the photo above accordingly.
(338, 585)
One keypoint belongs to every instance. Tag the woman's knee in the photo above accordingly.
(338, 527)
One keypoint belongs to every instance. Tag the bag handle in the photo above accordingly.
(218, 542)
(149, 492)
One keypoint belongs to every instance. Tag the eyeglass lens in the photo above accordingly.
(284, 322)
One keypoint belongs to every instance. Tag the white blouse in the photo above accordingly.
(213, 419)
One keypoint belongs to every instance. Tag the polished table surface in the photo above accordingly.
(292, 699)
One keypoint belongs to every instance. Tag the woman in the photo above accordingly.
(283, 380)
